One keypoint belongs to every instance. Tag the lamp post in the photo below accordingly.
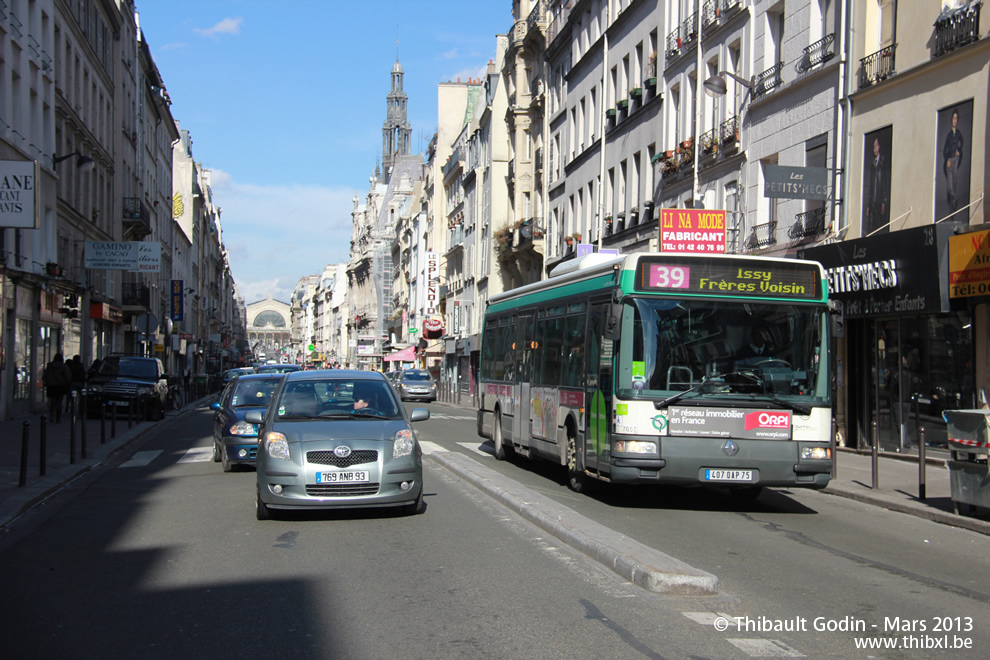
(698, 113)
(83, 163)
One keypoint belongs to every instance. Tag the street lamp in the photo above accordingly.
(715, 86)
(83, 163)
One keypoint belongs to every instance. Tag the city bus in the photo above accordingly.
(654, 368)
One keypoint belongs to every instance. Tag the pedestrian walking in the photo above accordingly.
(78, 372)
(57, 379)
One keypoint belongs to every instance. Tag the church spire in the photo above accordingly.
(396, 131)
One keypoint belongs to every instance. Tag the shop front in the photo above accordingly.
(904, 352)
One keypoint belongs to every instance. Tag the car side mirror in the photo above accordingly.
(215, 406)
(253, 417)
(419, 415)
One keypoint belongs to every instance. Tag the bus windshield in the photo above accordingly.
(731, 350)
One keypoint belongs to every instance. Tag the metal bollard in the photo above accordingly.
(113, 422)
(130, 413)
(82, 426)
(25, 442)
(72, 437)
(103, 423)
(921, 464)
(875, 458)
(43, 456)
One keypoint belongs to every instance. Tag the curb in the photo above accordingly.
(638, 563)
(935, 515)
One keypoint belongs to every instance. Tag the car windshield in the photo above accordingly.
(254, 392)
(416, 375)
(278, 368)
(129, 368)
(697, 349)
(330, 397)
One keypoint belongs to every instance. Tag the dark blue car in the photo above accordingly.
(235, 442)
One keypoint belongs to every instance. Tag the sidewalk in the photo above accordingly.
(59, 468)
(898, 474)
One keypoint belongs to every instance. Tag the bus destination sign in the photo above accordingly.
(730, 277)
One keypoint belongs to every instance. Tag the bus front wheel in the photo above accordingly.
(576, 478)
(502, 452)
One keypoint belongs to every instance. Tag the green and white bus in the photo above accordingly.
(659, 368)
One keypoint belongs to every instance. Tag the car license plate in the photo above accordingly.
(120, 403)
(343, 477)
(728, 475)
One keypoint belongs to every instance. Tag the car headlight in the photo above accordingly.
(277, 446)
(144, 391)
(635, 447)
(403, 444)
(243, 428)
(96, 388)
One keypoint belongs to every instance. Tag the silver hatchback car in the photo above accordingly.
(334, 439)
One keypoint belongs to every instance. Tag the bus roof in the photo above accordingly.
(593, 269)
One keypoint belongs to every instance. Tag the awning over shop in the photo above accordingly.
(405, 355)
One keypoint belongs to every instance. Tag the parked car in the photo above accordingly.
(337, 439)
(235, 441)
(278, 368)
(416, 385)
(126, 380)
(230, 374)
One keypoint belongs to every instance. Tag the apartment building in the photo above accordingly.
(908, 274)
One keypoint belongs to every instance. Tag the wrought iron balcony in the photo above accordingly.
(674, 43)
(817, 53)
(809, 223)
(729, 131)
(763, 235)
(877, 67)
(137, 218)
(689, 29)
(134, 294)
(768, 80)
(957, 27)
(709, 143)
(537, 17)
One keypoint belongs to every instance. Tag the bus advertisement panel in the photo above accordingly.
(659, 368)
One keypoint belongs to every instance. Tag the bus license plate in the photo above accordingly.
(351, 477)
(728, 475)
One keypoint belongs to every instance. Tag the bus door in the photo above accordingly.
(525, 352)
(598, 391)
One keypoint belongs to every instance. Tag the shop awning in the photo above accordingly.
(405, 355)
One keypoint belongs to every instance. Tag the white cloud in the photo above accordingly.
(226, 26)
(276, 234)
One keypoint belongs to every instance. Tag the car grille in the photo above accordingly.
(341, 490)
(120, 389)
(329, 458)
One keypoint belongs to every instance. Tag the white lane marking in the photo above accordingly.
(430, 447)
(442, 416)
(197, 455)
(141, 458)
(475, 447)
(709, 618)
(764, 648)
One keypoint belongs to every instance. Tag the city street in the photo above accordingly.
(157, 553)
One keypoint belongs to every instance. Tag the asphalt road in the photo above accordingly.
(166, 559)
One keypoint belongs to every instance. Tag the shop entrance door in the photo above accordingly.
(889, 410)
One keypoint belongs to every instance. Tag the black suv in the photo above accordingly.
(123, 380)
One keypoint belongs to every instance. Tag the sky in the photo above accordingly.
(285, 103)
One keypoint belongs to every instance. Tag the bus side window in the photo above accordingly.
(574, 351)
(553, 346)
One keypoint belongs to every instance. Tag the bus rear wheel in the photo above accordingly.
(577, 480)
(502, 452)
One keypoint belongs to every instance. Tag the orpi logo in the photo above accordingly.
(768, 419)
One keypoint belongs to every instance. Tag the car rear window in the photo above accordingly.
(253, 392)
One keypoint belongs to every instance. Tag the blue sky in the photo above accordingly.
(285, 103)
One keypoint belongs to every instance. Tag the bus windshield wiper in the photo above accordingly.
(709, 380)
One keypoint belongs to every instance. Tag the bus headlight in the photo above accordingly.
(815, 453)
(635, 447)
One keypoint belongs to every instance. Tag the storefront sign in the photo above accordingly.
(149, 256)
(898, 273)
(969, 265)
(122, 255)
(729, 423)
(177, 301)
(19, 194)
(782, 182)
(106, 312)
(432, 328)
(692, 230)
(432, 283)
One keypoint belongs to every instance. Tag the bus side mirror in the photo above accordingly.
(613, 321)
